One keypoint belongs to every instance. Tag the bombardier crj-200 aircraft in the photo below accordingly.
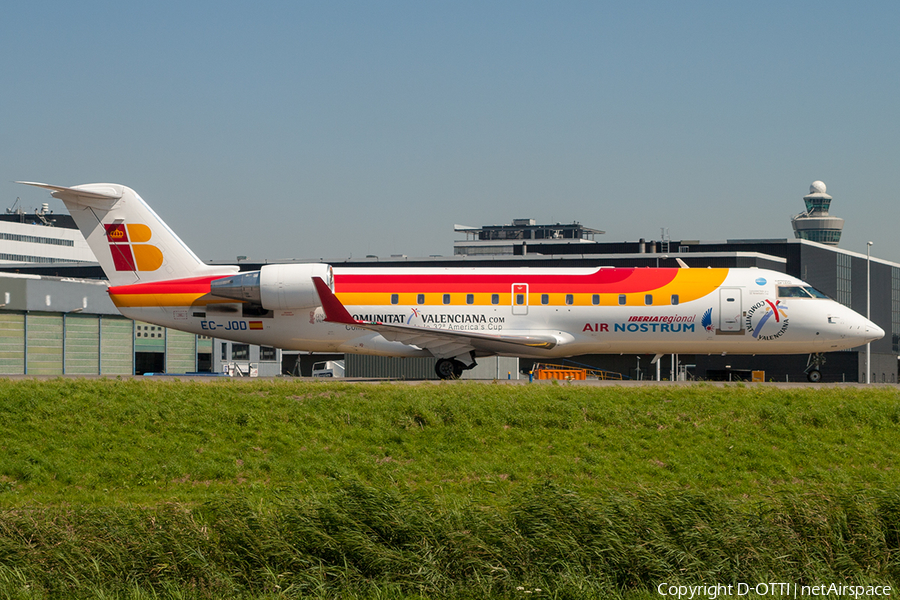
(453, 314)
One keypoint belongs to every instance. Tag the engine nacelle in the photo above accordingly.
(290, 286)
(276, 287)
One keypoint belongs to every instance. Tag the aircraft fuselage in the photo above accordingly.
(587, 311)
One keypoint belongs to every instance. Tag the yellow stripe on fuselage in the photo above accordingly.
(140, 300)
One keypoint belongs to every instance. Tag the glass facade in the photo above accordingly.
(895, 309)
(823, 236)
(843, 279)
(817, 203)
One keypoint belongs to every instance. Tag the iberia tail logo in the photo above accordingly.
(129, 249)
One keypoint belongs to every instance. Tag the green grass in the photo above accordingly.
(108, 442)
(360, 542)
(143, 488)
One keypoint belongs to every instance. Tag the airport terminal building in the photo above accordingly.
(852, 278)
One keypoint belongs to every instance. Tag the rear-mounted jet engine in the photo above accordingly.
(276, 287)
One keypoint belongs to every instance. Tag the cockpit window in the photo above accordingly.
(792, 291)
(814, 292)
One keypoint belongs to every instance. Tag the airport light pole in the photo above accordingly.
(869, 309)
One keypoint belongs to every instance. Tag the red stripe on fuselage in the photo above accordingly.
(620, 281)
(193, 285)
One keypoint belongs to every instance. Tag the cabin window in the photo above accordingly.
(520, 299)
(470, 298)
(267, 353)
(648, 299)
(446, 298)
(595, 299)
(495, 298)
(545, 298)
(224, 351)
(240, 352)
(674, 299)
(621, 299)
(395, 298)
(570, 299)
(420, 298)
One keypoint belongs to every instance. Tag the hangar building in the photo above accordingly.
(56, 317)
(69, 326)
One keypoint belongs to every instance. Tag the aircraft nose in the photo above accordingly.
(862, 330)
(873, 331)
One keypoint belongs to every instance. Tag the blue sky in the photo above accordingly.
(306, 130)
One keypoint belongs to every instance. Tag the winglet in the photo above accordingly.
(335, 312)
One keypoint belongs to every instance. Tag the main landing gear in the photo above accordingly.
(447, 368)
(814, 366)
(450, 368)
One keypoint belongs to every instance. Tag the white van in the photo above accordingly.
(328, 368)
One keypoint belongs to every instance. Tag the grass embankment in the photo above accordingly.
(232, 488)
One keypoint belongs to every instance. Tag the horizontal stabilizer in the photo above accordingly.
(97, 192)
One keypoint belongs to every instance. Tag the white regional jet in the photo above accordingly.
(453, 314)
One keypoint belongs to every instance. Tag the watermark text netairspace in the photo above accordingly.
(777, 590)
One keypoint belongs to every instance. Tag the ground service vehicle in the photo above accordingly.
(328, 368)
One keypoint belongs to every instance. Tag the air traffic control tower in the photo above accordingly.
(816, 224)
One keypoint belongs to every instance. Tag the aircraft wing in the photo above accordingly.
(442, 343)
(447, 343)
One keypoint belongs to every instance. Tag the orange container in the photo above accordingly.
(567, 374)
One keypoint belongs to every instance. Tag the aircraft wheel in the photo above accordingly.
(447, 368)
(814, 376)
(458, 369)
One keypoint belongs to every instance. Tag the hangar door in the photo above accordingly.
(12, 343)
(82, 344)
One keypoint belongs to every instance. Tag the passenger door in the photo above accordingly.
(520, 298)
(730, 310)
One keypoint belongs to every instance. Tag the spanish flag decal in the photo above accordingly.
(256, 325)
(129, 250)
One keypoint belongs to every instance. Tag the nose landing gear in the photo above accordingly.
(814, 366)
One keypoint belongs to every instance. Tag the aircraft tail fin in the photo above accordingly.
(131, 243)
